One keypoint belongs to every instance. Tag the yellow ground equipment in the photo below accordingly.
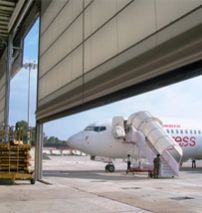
(15, 162)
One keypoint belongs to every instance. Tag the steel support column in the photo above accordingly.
(8, 74)
(38, 151)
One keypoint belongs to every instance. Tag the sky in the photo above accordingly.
(19, 84)
(180, 101)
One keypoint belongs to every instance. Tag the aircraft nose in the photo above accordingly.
(74, 141)
(71, 141)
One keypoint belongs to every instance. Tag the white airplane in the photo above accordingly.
(141, 136)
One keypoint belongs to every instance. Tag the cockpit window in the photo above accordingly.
(103, 128)
(89, 128)
(95, 128)
(99, 128)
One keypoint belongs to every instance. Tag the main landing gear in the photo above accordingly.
(110, 167)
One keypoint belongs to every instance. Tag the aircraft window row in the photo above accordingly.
(95, 128)
(176, 131)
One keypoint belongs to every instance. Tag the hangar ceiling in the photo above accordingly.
(7, 19)
(16, 17)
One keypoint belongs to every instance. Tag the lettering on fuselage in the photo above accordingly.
(185, 141)
(172, 126)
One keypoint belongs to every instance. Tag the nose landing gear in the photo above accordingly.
(110, 167)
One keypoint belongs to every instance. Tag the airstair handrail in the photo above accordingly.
(157, 138)
(153, 131)
(171, 161)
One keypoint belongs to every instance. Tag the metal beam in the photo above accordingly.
(5, 35)
(4, 31)
(4, 22)
(4, 13)
(10, 9)
(7, 3)
(4, 18)
(15, 14)
(4, 27)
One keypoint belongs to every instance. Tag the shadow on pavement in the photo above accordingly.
(191, 170)
(95, 175)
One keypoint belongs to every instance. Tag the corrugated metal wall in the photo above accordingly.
(81, 40)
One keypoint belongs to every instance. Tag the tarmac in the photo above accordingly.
(74, 184)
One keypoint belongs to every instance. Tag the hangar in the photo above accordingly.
(92, 52)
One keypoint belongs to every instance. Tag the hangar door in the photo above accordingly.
(92, 48)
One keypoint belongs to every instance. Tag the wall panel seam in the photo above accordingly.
(2, 99)
(84, 75)
(60, 88)
(55, 17)
(137, 43)
(2, 110)
(80, 42)
(62, 59)
(66, 28)
(83, 50)
(2, 87)
(111, 18)
(159, 30)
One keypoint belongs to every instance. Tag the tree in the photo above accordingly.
(21, 129)
(21, 132)
(54, 142)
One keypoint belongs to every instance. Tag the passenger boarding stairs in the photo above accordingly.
(156, 141)
(145, 131)
(150, 153)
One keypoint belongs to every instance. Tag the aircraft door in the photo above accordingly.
(118, 128)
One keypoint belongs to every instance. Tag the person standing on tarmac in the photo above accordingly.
(128, 163)
(157, 164)
(193, 163)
